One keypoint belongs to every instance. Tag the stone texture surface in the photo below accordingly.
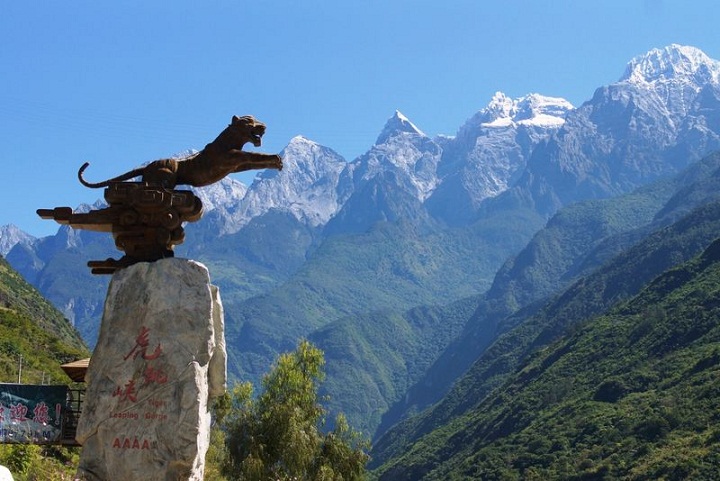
(159, 360)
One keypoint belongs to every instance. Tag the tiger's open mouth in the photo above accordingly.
(256, 134)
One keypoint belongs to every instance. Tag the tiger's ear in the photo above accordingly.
(249, 119)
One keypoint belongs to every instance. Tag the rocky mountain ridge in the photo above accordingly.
(10, 235)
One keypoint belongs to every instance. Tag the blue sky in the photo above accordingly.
(121, 83)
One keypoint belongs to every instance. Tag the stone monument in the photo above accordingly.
(158, 362)
(160, 358)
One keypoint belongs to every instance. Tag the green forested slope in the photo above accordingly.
(632, 394)
(392, 267)
(576, 241)
(619, 279)
(373, 358)
(30, 327)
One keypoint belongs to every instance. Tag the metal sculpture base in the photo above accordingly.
(144, 218)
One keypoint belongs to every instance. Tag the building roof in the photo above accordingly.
(76, 370)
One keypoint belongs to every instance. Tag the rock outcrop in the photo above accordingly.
(159, 361)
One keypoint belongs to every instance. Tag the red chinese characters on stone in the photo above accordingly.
(153, 375)
(141, 345)
(127, 392)
(150, 375)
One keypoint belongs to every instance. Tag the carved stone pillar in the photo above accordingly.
(159, 361)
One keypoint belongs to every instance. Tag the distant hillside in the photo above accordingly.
(631, 394)
(575, 242)
(538, 343)
(373, 358)
(31, 328)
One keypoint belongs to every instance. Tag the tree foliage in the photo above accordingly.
(278, 435)
(31, 462)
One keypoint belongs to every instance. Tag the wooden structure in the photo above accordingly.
(145, 219)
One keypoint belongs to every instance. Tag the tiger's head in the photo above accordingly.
(245, 129)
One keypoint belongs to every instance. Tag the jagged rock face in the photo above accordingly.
(11, 235)
(309, 188)
(391, 180)
(662, 114)
(159, 361)
(674, 74)
(406, 153)
(491, 151)
(219, 202)
(658, 118)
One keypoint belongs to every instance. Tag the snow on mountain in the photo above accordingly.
(11, 235)
(491, 150)
(541, 111)
(675, 74)
(658, 118)
(673, 63)
(397, 124)
(309, 187)
(220, 201)
(533, 109)
(221, 194)
(404, 150)
(70, 237)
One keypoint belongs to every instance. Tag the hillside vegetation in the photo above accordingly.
(31, 328)
(392, 267)
(373, 359)
(629, 233)
(36, 336)
(631, 394)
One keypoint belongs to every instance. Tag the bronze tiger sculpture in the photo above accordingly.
(146, 218)
(221, 157)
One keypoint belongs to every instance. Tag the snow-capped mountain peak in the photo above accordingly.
(221, 194)
(299, 144)
(307, 187)
(397, 124)
(491, 150)
(536, 109)
(532, 109)
(672, 63)
(499, 109)
(672, 77)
